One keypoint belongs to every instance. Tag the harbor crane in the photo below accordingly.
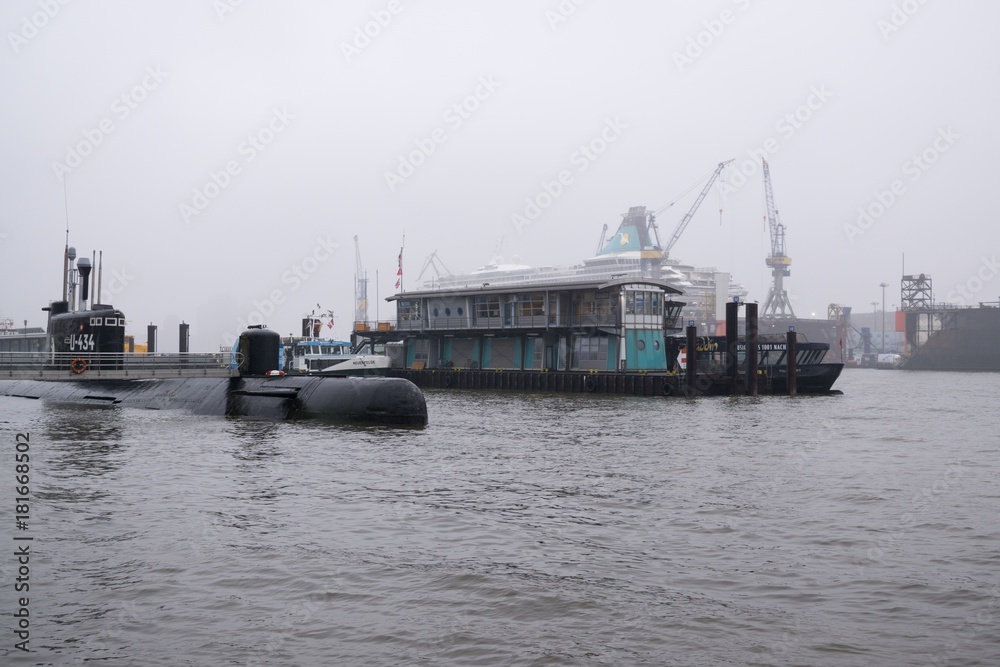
(777, 298)
(360, 288)
(434, 263)
(604, 238)
(690, 214)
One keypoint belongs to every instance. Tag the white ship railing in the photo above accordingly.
(90, 365)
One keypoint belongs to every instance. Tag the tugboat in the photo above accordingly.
(312, 354)
(83, 362)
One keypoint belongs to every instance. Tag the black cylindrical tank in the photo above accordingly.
(259, 350)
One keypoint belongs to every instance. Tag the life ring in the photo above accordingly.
(590, 385)
(668, 387)
(78, 366)
(448, 380)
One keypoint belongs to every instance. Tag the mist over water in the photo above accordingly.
(522, 529)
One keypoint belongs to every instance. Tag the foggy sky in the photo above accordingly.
(228, 152)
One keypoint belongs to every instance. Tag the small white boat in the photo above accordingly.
(322, 356)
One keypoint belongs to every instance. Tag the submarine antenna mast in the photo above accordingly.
(65, 290)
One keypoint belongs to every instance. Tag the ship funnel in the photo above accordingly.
(83, 266)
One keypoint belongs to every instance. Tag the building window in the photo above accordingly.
(487, 306)
(640, 345)
(591, 304)
(409, 310)
(530, 305)
(592, 348)
(644, 303)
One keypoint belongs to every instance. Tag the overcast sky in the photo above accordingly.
(224, 154)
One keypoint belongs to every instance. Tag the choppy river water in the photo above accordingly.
(518, 529)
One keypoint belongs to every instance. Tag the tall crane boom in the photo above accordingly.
(777, 229)
(777, 298)
(694, 207)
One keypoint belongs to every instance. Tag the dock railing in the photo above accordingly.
(114, 365)
(512, 322)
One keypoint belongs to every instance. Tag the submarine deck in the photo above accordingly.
(92, 366)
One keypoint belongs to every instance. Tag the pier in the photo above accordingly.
(713, 366)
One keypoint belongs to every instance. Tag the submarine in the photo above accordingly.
(83, 363)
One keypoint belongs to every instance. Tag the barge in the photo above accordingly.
(946, 336)
(615, 336)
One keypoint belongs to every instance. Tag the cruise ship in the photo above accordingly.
(633, 251)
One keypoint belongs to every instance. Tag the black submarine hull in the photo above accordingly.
(341, 399)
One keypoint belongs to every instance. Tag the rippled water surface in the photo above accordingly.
(521, 529)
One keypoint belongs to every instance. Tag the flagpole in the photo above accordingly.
(399, 266)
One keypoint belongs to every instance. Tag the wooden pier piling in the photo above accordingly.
(790, 354)
(751, 349)
(732, 326)
(692, 359)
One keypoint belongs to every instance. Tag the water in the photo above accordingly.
(520, 529)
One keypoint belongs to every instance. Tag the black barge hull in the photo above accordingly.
(811, 379)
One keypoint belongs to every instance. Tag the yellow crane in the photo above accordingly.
(777, 298)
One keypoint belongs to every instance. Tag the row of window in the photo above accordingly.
(533, 305)
(644, 303)
(107, 321)
(447, 311)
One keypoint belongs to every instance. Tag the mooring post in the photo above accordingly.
(790, 357)
(691, 353)
(184, 344)
(751, 349)
(732, 326)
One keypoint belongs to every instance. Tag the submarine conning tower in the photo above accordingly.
(259, 350)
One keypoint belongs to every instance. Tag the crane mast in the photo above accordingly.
(360, 288)
(694, 207)
(777, 298)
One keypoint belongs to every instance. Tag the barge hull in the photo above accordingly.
(812, 379)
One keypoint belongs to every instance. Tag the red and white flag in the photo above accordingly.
(399, 269)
